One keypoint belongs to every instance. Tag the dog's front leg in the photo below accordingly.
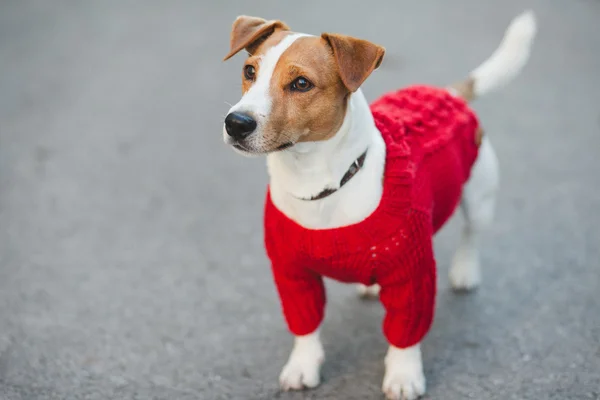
(302, 295)
(408, 296)
(407, 319)
(303, 368)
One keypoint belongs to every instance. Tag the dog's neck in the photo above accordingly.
(306, 169)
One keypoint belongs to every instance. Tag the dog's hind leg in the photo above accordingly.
(478, 203)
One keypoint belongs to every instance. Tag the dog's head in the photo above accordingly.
(295, 87)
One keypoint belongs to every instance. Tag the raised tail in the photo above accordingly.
(505, 63)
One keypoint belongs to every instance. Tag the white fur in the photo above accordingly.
(303, 368)
(478, 201)
(404, 378)
(307, 168)
(509, 58)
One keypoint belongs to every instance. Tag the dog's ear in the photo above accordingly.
(355, 58)
(248, 32)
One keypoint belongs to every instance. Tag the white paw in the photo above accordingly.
(403, 386)
(301, 372)
(465, 273)
(365, 291)
(303, 369)
(404, 379)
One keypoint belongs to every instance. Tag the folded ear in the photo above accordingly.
(248, 32)
(355, 58)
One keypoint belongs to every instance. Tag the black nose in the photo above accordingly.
(239, 125)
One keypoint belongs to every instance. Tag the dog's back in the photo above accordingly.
(438, 133)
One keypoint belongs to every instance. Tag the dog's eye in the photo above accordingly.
(301, 84)
(249, 72)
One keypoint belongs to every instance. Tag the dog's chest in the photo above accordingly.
(356, 201)
(351, 256)
(349, 205)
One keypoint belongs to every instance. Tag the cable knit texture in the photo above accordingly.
(431, 147)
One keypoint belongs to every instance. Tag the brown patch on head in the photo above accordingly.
(334, 72)
(316, 114)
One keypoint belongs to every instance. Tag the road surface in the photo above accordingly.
(131, 258)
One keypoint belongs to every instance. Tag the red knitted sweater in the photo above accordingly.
(431, 146)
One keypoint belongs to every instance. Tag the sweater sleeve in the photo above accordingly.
(301, 291)
(408, 288)
(302, 296)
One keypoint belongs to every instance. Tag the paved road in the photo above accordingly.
(131, 261)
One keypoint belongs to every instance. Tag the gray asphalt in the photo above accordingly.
(131, 258)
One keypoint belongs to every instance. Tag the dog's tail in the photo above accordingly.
(504, 64)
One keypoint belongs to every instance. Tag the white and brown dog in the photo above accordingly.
(303, 109)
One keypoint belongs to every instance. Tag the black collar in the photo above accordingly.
(353, 170)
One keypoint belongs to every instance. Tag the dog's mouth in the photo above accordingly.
(240, 147)
(284, 146)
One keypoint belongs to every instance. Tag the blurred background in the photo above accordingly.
(131, 255)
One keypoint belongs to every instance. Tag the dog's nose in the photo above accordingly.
(239, 125)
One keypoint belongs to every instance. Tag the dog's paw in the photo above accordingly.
(465, 272)
(368, 292)
(303, 369)
(300, 373)
(404, 378)
(403, 386)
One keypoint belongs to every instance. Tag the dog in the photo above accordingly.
(357, 191)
